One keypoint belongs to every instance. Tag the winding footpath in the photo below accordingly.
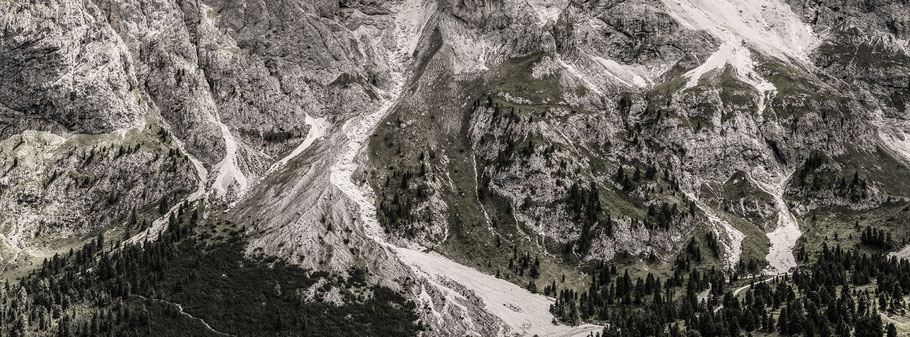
(184, 313)
(743, 288)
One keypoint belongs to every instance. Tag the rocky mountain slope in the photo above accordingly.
(442, 145)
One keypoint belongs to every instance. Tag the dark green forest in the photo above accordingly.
(184, 285)
(841, 293)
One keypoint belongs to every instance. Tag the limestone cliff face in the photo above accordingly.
(332, 131)
(233, 83)
(64, 69)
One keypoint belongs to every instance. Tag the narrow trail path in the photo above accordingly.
(184, 313)
(743, 288)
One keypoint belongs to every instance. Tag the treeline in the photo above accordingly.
(612, 297)
(842, 293)
(168, 286)
(270, 136)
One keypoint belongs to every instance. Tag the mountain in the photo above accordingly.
(454, 167)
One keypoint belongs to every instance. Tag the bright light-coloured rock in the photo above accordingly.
(767, 25)
(783, 238)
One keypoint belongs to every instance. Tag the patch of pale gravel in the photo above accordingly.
(897, 142)
(902, 254)
(514, 99)
(731, 238)
(589, 82)
(316, 131)
(629, 76)
(739, 56)
(415, 15)
(526, 314)
(783, 238)
(357, 130)
(596, 72)
(228, 173)
(768, 25)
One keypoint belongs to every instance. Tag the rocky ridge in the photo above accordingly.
(359, 134)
